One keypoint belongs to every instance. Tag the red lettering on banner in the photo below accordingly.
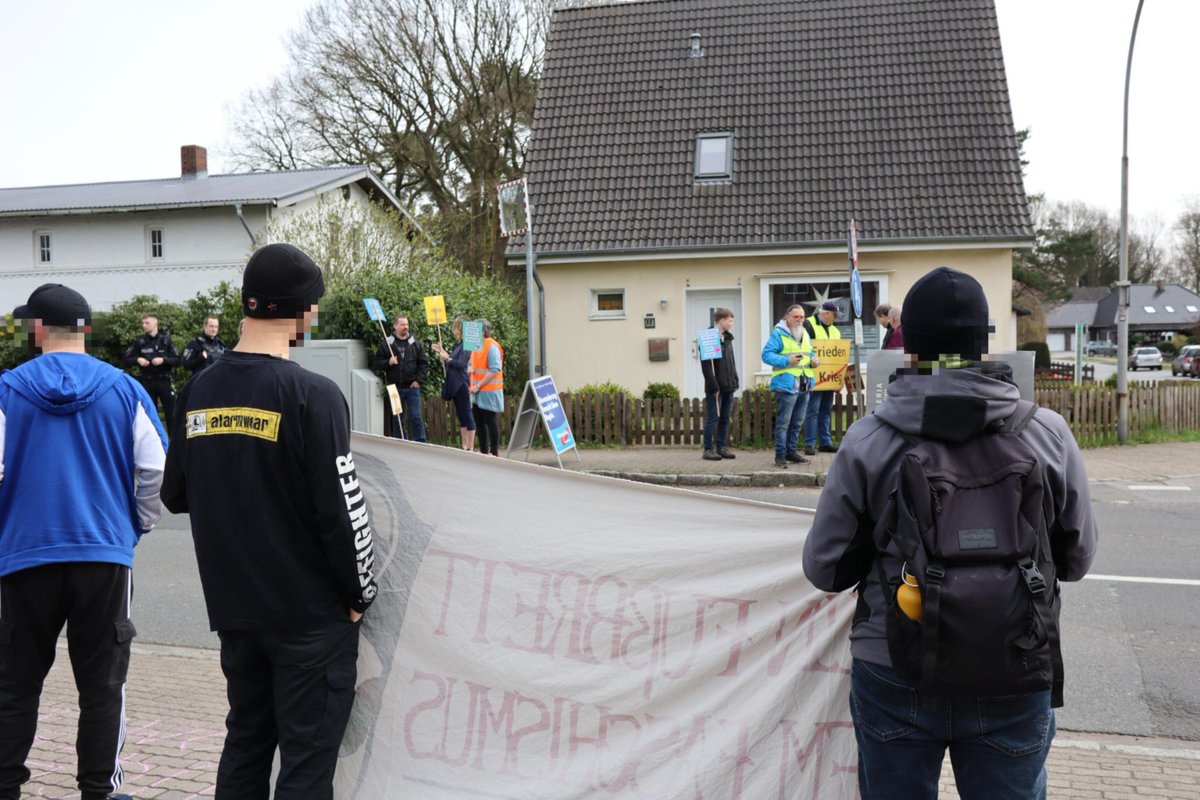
(813, 751)
(803, 626)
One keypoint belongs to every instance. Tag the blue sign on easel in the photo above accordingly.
(709, 341)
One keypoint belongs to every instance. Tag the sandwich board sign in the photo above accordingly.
(540, 401)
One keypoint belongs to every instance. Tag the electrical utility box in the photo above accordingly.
(345, 362)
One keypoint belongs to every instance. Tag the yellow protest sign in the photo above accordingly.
(833, 355)
(435, 310)
(394, 399)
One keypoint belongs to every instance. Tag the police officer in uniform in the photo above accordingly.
(155, 354)
(205, 348)
(260, 459)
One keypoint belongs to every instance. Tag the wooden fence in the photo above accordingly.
(615, 420)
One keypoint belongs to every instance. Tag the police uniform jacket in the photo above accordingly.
(152, 347)
(193, 354)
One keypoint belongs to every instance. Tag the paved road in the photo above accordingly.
(1108, 366)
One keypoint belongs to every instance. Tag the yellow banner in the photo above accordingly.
(833, 356)
(435, 310)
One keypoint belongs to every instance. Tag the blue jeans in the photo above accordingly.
(998, 745)
(414, 426)
(820, 409)
(717, 408)
(789, 414)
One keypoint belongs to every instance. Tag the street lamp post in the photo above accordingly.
(1123, 282)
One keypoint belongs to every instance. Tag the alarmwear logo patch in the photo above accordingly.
(245, 421)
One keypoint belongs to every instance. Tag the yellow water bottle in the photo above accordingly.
(908, 596)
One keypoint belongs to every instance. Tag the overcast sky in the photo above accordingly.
(101, 90)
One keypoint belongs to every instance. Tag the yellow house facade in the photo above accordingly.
(598, 326)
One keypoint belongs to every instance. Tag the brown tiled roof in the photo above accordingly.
(893, 112)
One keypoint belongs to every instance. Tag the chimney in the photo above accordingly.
(193, 161)
(1161, 286)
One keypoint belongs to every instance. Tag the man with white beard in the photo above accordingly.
(789, 352)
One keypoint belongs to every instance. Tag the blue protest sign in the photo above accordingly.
(552, 413)
(709, 341)
(472, 333)
(374, 310)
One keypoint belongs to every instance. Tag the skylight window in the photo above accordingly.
(714, 156)
(1149, 309)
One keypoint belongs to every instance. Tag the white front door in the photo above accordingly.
(701, 303)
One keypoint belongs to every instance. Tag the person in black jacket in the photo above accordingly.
(457, 386)
(260, 458)
(403, 360)
(155, 354)
(205, 349)
(720, 382)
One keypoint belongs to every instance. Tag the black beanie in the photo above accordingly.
(945, 313)
(280, 281)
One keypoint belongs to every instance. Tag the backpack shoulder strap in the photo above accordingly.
(1015, 423)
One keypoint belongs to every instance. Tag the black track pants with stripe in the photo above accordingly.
(92, 600)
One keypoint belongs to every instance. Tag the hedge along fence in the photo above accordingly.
(617, 419)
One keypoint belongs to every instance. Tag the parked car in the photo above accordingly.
(1182, 363)
(1146, 358)
(1101, 348)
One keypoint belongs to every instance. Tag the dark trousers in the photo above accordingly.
(487, 430)
(292, 691)
(161, 391)
(717, 408)
(413, 423)
(92, 599)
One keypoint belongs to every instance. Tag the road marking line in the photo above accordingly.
(1156, 487)
(1133, 579)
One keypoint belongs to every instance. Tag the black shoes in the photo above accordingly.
(828, 448)
(809, 450)
(781, 462)
(711, 455)
(725, 452)
(796, 458)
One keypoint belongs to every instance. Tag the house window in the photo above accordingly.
(156, 243)
(608, 304)
(714, 157)
(44, 252)
(1149, 309)
(1192, 309)
(1170, 309)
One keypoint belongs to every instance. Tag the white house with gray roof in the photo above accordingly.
(171, 238)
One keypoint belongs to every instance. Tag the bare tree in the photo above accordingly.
(1187, 255)
(436, 96)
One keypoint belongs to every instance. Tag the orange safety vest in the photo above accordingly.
(479, 367)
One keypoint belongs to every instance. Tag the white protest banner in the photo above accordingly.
(589, 637)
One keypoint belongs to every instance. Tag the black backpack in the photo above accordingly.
(968, 521)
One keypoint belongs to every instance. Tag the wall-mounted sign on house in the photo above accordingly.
(694, 154)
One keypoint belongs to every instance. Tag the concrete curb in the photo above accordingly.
(770, 479)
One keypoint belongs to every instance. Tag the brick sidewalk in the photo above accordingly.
(176, 702)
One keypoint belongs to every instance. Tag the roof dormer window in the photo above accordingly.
(714, 157)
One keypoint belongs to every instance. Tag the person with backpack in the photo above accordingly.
(954, 511)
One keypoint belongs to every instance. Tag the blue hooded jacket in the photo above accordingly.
(772, 353)
(81, 462)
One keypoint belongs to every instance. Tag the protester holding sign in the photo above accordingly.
(720, 382)
(487, 390)
(403, 359)
(820, 406)
(457, 386)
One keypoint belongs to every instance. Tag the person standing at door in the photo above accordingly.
(720, 383)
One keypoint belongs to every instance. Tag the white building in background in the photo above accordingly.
(171, 238)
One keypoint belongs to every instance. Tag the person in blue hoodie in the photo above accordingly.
(789, 352)
(81, 463)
